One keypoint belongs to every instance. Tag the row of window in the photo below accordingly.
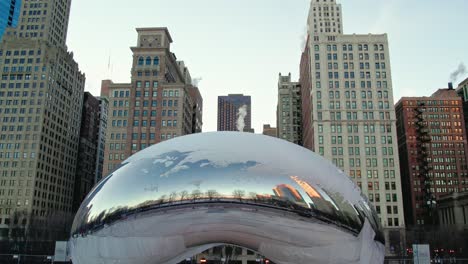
(337, 116)
(154, 103)
(21, 85)
(352, 94)
(349, 47)
(144, 123)
(17, 155)
(350, 75)
(20, 61)
(21, 111)
(354, 128)
(351, 84)
(20, 69)
(20, 52)
(387, 174)
(148, 61)
(353, 105)
(144, 113)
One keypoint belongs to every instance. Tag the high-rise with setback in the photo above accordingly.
(41, 93)
(158, 104)
(347, 82)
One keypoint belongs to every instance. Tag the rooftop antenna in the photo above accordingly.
(109, 66)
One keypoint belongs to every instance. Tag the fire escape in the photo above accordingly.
(423, 141)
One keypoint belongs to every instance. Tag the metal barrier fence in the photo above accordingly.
(28, 259)
(434, 261)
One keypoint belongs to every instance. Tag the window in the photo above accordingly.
(156, 61)
(148, 60)
(140, 61)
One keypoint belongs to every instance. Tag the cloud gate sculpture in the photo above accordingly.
(180, 197)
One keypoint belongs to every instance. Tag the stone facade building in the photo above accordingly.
(349, 113)
(289, 110)
(41, 95)
(159, 103)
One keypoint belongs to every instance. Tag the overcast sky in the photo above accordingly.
(240, 46)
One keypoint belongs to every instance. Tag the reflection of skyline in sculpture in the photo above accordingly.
(233, 182)
(321, 201)
(289, 193)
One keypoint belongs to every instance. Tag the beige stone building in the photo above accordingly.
(41, 94)
(158, 104)
(353, 117)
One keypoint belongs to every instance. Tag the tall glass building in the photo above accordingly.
(9, 14)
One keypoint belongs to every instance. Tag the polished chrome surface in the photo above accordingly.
(227, 171)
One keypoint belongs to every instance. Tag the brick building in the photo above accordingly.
(432, 145)
(158, 104)
(228, 110)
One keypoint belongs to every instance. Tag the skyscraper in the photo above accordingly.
(350, 104)
(433, 152)
(41, 94)
(289, 110)
(462, 91)
(159, 103)
(229, 108)
(103, 116)
(305, 83)
(88, 149)
(9, 14)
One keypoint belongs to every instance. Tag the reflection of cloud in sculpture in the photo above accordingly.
(175, 169)
(188, 173)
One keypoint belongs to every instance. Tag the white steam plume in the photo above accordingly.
(456, 74)
(241, 118)
(196, 81)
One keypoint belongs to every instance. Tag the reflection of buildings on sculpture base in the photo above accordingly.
(229, 254)
(289, 193)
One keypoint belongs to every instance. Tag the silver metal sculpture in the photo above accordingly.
(180, 197)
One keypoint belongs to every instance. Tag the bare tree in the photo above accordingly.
(161, 199)
(183, 195)
(212, 194)
(196, 194)
(253, 196)
(238, 194)
(173, 197)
